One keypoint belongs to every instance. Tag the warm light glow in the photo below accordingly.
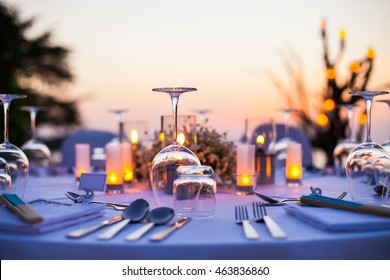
(113, 178)
(362, 118)
(342, 34)
(324, 24)
(162, 137)
(128, 175)
(294, 172)
(330, 74)
(322, 120)
(260, 140)
(246, 180)
(134, 136)
(355, 67)
(370, 53)
(329, 105)
(181, 138)
(79, 172)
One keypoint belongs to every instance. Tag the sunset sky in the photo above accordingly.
(122, 49)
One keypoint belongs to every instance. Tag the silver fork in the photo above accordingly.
(242, 217)
(260, 214)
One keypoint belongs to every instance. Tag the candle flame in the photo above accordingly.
(128, 175)
(134, 136)
(260, 140)
(295, 172)
(113, 178)
(181, 138)
(362, 118)
(162, 136)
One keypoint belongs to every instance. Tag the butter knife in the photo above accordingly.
(161, 235)
(82, 232)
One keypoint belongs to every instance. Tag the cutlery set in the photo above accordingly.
(135, 213)
(260, 216)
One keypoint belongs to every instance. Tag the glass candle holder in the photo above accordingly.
(245, 169)
(82, 159)
(127, 162)
(294, 164)
(114, 168)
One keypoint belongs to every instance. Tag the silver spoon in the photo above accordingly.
(136, 212)
(158, 216)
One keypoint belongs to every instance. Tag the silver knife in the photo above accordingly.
(166, 232)
(84, 231)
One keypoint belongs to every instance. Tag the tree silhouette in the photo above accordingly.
(34, 66)
(327, 127)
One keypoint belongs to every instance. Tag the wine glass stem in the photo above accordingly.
(33, 115)
(6, 110)
(368, 107)
(175, 101)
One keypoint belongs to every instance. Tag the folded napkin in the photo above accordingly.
(55, 215)
(337, 220)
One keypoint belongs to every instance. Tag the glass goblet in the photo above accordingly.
(164, 165)
(16, 160)
(386, 145)
(368, 165)
(36, 151)
(345, 146)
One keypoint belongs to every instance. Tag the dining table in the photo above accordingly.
(218, 237)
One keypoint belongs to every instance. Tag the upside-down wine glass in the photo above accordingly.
(37, 152)
(386, 145)
(368, 165)
(165, 163)
(345, 146)
(13, 161)
(281, 145)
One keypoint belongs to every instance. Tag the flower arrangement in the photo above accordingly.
(212, 148)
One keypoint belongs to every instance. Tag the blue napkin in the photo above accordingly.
(337, 220)
(55, 215)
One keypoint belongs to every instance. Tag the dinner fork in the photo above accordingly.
(242, 217)
(260, 214)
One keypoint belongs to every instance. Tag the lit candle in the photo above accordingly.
(114, 168)
(181, 138)
(294, 164)
(127, 162)
(246, 175)
(134, 136)
(82, 159)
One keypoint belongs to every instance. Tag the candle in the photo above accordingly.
(294, 164)
(246, 175)
(181, 138)
(114, 168)
(127, 162)
(82, 159)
